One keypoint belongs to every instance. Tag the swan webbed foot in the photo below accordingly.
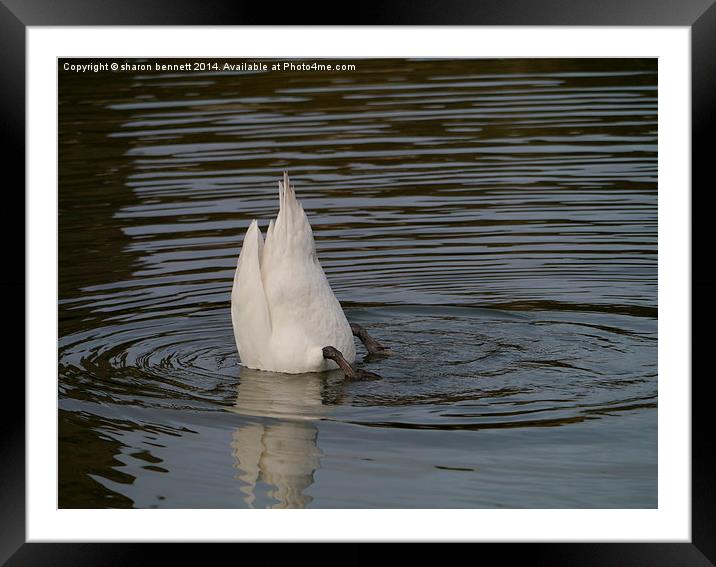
(365, 375)
(373, 346)
(332, 353)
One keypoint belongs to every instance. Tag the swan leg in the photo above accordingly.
(332, 353)
(370, 343)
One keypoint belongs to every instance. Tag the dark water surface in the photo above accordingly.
(493, 221)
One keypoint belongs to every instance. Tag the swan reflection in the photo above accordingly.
(280, 448)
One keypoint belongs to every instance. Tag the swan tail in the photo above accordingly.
(250, 314)
(291, 233)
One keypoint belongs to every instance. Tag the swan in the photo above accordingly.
(283, 310)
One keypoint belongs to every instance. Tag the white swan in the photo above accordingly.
(283, 310)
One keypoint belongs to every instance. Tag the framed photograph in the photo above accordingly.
(422, 279)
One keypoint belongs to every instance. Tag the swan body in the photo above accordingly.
(282, 307)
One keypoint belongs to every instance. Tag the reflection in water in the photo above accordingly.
(282, 449)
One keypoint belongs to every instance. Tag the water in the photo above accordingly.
(493, 221)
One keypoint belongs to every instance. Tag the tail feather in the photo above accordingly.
(291, 231)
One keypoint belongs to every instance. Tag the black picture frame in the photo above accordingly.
(17, 15)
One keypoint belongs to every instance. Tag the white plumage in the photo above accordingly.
(282, 307)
